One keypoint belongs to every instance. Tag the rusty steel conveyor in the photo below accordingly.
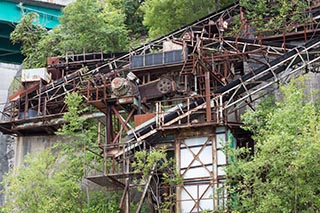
(287, 64)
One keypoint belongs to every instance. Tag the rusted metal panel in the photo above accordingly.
(22, 92)
(140, 119)
(52, 60)
(158, 88)
(107, 181)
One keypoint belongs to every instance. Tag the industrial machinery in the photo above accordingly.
(185, 90)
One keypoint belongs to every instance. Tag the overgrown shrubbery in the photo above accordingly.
(156, 162)
(86, 26)
(265, 15)
(52, 181)
(283, 175)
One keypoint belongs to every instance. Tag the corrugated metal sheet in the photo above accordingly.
(173, 56)
(153, 59)
(8, 71)
(31, 75)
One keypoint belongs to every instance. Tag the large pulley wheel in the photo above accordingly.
(164, 85)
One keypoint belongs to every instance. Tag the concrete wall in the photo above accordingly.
(14, 149)
(32, 145)
(8, 72)
(312, 82)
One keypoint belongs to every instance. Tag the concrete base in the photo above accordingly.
(32, 145)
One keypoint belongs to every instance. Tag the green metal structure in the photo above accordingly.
(11, 11)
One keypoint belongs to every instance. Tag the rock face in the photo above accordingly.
(7, 143)
(7, 146)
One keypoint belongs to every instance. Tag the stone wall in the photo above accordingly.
(7, 145)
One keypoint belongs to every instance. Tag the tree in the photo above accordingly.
(43, 184)
(134, 15)
(164, 16)
(51, 182)
(93, 25)
(272, 15)
(86, 25)
(29, 33)
(283, 175)
(155, 162)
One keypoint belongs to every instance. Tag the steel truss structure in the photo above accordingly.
(184, 91)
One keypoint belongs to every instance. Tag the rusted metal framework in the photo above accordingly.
(184, 91)
(38, 106)
(217, 77)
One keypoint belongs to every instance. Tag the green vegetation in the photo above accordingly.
(107, 26)
(283, 174)
(162, 17)
(86, 26)
(264, 15)
(114, 25)
(44, 184)
(156, 160)
(92, 25)
(133, 16)
(29, 34)
(52, 181)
